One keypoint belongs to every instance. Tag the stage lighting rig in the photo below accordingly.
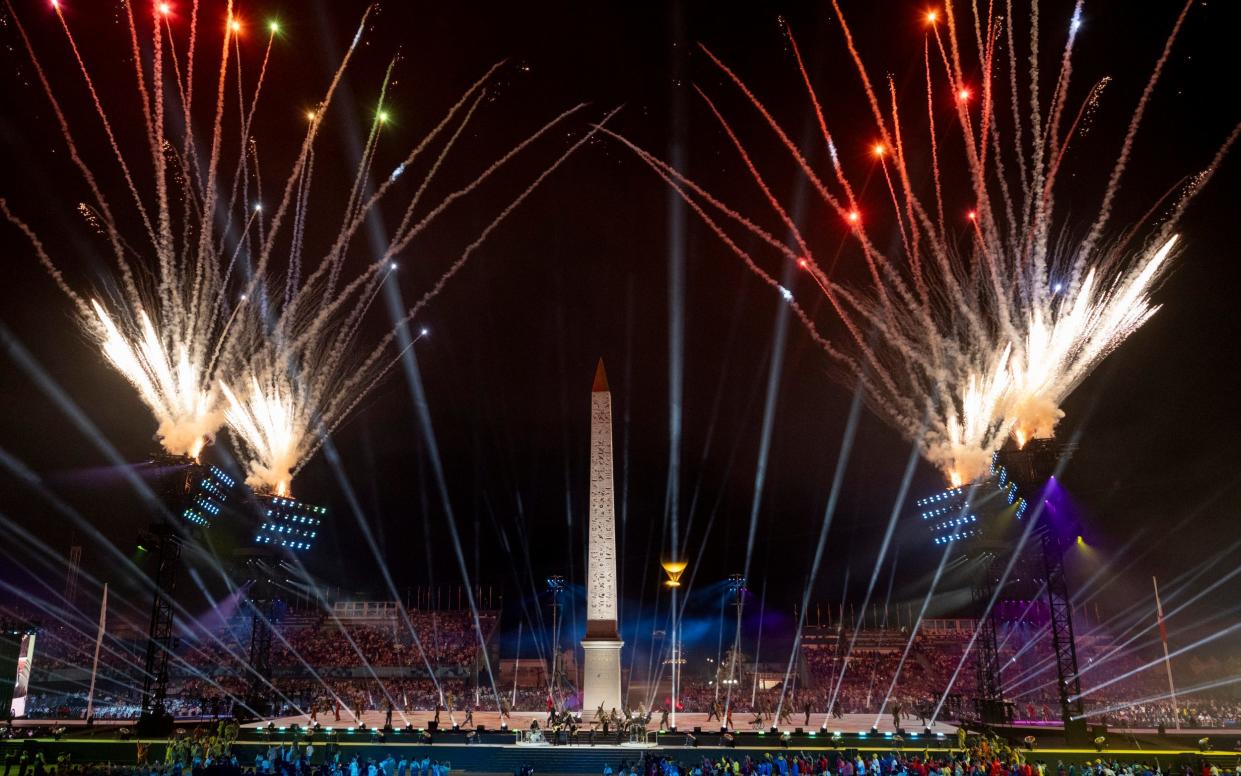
(976, 513)
(736, 584)
(288, 524)
(192, 491)
(193, 494)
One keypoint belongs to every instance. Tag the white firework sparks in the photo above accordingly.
(175, 389)
(269, 425)
(1062, 344)
(234, 331)
(295, 364)
(166, 317)
(962, 347)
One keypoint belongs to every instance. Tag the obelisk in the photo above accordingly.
(601, 685)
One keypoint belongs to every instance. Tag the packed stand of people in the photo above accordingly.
(209, 672)
(445, 640)
(210, 675)
(978, 758)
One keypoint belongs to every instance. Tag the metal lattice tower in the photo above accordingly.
(1063, 644)
(556, 586)
(262, 620)
(193, 495)
(286, 527)
(977, 520)
(1034, 466)
(990, 693)
(167, 549)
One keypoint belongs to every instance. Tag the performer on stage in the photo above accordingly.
(784, 717)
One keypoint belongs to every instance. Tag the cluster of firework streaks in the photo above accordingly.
(221, 317)
(965, 337)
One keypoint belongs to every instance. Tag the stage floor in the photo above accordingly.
(850, 723)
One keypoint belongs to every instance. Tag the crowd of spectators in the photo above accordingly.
(230, 765)
(315, 660)
(981, 758)
(440, 639)
(202, 752)
(861, 679)
(831, 677)
(1208, 714)
(322, 664)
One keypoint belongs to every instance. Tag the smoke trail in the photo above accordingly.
(986, 340)
(1126, 148)
(300, 387)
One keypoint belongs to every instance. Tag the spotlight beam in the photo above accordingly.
(842, 463)
(1159, 661)
(898, 506)
(1026, 533)
(333, 458)
(1139, 650)
(177, 659)
(413, 377)
(299, 566)
(10, 345)
(320, 599)
(64, 613)
(913, 632)
(1144, 612)
(1180, 693)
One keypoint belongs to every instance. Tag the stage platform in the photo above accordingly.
(848, 724)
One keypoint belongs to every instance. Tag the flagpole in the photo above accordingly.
(1167, 661)
(517, 663)
(103, 616)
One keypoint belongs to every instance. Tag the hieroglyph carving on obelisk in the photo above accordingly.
(601, 589)
(602, 645)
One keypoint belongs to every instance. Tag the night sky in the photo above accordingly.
(582, 271)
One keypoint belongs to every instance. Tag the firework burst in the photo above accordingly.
(977, 327)
(291, 369)
(246, 322)
(162, 319)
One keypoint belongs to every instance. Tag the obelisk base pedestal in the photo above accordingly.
(601, 676)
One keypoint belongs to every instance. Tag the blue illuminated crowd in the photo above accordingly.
(979, 761)
(212, 756)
